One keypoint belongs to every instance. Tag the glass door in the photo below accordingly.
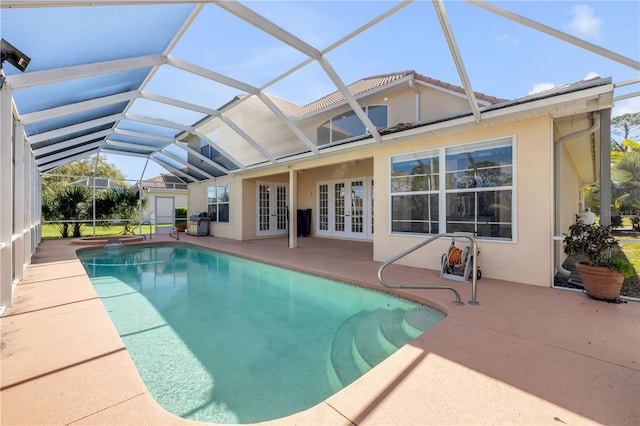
(345, 208)
(271, 209)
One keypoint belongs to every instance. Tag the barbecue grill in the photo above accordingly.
(198, 224)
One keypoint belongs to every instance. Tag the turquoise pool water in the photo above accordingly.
(223, 339)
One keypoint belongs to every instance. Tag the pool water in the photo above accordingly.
(218, 338)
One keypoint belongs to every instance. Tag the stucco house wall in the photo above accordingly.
(527, 257)
(530, 248)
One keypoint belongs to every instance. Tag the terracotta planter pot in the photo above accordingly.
(600, 282)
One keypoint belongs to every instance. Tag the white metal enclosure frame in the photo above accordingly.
(49, 132)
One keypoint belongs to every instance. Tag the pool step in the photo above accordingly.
(367, 338)
(342, 365)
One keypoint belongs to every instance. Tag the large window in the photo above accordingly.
(414, 193)
(218, 202)
(347, 126)
(471, 193)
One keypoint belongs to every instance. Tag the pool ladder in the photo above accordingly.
(474, 270)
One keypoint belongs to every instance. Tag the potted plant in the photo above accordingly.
(601, 274)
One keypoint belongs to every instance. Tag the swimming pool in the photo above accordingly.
(219, 338)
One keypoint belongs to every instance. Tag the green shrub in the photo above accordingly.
(181, 213)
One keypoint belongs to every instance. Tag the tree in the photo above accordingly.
(70, 203)
(73, 171)
(625, 166)
(62, 201)
(623, 127)
(625, 175)
(120, 203)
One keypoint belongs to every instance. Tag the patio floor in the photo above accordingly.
(527, 355)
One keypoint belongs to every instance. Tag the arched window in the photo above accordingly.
(347, 126)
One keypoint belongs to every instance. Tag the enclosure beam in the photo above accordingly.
(6, 195)
(457, 58)
(605, 167)
(18, 201)
(57, 75)
(557, 34)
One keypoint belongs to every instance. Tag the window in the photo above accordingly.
(414, 193)
(213, 154)
(218, 203)
(471, 193)
(347, 126)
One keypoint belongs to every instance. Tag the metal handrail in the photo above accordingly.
(474, 251)
(146, 222)
(177, 237)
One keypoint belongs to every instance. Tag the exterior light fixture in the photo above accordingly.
(14, 56)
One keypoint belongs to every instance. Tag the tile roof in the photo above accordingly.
(358, 88)
(100, 183)
(164, 182)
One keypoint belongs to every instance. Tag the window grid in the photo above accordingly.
(323, 207)
(476, 198)
(263, 208)
(218, 203)
(281, 202)
(357, 206)
(338, 208)
(347, 125)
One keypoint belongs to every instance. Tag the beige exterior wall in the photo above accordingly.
(530, 250)
(401, 100)
(527, 259)
(197, 193)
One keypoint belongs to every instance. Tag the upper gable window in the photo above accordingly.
(347, 126)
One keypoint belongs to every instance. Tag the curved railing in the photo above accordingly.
(176, 232)
(474, 250)
(146, 222)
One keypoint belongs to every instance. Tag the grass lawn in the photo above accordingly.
(631, 286)
(51, 231)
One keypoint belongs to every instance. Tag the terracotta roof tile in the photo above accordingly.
(357, 88)
(451, 87)
(164, 182)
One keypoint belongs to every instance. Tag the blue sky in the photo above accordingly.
(502, 58)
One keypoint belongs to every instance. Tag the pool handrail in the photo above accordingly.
(146, 222)
(474, 270)
(175, 230)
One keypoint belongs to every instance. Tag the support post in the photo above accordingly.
(293, 209)
(19, 186)
(6, 197)
(605, 167)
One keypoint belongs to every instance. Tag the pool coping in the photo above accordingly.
(523, 356)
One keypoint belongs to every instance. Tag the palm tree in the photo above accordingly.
(625, 175)
(120, 203)
(51, 211)
(70, 203)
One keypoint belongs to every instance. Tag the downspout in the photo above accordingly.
(413, 87)
(558, 199)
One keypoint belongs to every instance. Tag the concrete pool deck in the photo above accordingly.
(527, 355)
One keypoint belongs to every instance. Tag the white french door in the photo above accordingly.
(271, 214)
(345, 208)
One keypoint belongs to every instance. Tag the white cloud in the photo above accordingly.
(507, 38)
(541, 87)
(591, 75)
(585, 23)
(626, 106)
